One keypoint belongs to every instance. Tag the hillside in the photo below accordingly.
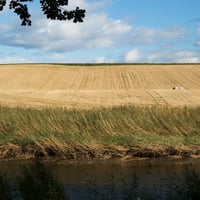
(87, 86)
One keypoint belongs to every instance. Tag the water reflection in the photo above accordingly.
(48, 182)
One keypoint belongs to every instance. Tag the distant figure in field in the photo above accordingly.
(178, 88)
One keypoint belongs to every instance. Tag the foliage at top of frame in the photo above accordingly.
(53, 9)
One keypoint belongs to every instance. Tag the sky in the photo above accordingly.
(113, 31)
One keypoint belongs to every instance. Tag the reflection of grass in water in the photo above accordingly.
(5, 188)
(130, 189)
(37, 183)
(91, 188)
(190, 189)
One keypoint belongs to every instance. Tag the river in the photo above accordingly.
(137, 179)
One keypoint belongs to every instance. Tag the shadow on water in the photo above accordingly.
(36, 181)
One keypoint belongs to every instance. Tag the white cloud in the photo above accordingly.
(146, 36)
(14, 59)
(132, 56)
(186, 57)
(198, 43)
(173, 56)
(117, 27)
(103, 59)
(161, 56)
(89, 6)
(98, 31)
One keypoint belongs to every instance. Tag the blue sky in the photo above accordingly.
(113, 31)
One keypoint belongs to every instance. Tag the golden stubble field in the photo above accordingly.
(92, 86)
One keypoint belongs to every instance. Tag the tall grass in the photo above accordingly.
(123, 125)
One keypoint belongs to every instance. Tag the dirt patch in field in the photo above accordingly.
(87, 153)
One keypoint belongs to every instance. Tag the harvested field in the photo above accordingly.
(92, 86)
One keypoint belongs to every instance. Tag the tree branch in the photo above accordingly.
(53, 9)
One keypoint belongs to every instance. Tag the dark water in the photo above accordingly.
(147, 179)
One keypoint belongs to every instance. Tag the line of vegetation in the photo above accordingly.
(125, 126)
(121, 63)
(100, 64)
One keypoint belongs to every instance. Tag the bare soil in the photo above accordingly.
(96, 86)
(88, 153)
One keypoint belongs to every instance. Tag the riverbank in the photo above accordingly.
(88, 154)
(122, 132)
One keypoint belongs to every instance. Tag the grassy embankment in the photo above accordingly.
(124, 131)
